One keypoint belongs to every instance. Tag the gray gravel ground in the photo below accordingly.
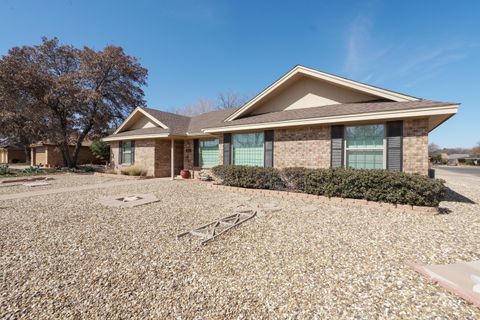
(69, 257)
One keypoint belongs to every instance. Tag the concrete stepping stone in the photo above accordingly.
(128, 200)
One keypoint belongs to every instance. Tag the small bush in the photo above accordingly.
(372, 185)
(133, 171)
(87, 168)
(249, 177)
(4, 170)
(111, 171)
(32, 170)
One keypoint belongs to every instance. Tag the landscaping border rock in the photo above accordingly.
(332, 200)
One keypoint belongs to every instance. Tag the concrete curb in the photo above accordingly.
(332, 200)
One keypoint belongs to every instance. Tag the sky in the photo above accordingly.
(196, 49)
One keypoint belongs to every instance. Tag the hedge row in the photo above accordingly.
(373, 185)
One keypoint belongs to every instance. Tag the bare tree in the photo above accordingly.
(77, 93)
(432, 148)
(225, 100)
(202, 105)
(476, 149)
(231, 99)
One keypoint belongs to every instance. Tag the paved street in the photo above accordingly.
(458, 170)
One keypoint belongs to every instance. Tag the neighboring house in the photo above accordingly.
(47, 154)
(455, 158)
(307, 118)
(12, 153)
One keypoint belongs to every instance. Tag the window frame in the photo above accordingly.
(200, 163)
(383, 148)
(132, 152)
(232, 148)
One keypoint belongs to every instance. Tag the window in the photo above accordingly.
(208, 150)
(365, 147)
(127, 152)
(248, 149)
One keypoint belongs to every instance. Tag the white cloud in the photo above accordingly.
(363, 52)
(431, 59)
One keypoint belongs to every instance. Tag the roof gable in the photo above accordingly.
(140, 118)
(303, 87)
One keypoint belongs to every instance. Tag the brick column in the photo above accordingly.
(415, 146)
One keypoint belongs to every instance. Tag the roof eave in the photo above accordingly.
(136, 137)
(449, 110)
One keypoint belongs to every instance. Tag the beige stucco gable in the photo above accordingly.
(307, 92)
(139, 119)
(142, 122)
(319, 88)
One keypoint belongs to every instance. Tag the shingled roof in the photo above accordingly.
(179, 125)
(330, 111)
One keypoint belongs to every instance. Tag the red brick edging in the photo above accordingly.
(332, 200)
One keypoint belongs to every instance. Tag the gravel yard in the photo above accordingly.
(66, 256)
(58, 181)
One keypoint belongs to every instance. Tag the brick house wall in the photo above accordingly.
(302, 147)
(145, 155)
(188, 155)
(220, 149)
(54, 156)
(162, 158)
(8, 155)
(153, 155)
(178, 156)
(114, 152)
(415, 146)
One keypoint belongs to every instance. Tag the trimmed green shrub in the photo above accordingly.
(249, 177)
(375, 185)
(294, 178)
(372, 185)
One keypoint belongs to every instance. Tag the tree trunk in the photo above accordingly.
(67, 160)
(27, 151)
(78, 145)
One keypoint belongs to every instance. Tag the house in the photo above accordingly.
(48, 154)
(307, 118)
(455, 158)
(12, 153)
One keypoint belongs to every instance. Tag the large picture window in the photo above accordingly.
(127, 152)
(208, 150)
(248, 149)
(365, 147)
